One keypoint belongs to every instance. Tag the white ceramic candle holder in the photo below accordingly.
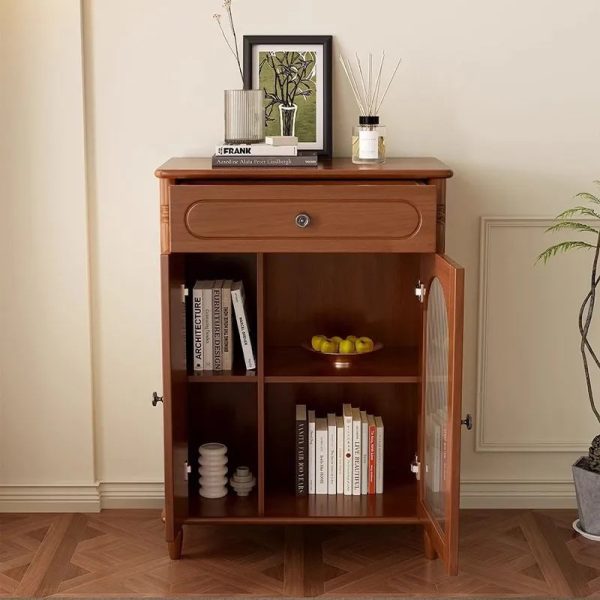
(242, 481)
(213, 470)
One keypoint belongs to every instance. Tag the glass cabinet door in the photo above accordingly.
(440, 404)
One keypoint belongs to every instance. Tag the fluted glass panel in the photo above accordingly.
(436, 402)
(244, 116)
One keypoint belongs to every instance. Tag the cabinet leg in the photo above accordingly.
(176, 545)
(430, 552)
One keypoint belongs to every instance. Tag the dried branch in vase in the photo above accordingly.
(233, 43)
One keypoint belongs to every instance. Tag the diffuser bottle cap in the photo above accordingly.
(368, 120)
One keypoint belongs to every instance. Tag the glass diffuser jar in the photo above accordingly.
(368, 141)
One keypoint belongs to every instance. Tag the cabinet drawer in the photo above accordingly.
(284, 217)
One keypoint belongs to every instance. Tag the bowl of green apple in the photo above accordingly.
(342, 352)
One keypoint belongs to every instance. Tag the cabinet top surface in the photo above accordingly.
(337, 168)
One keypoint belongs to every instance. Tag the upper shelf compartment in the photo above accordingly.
(376, 216)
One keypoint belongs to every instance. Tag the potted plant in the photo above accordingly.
(586, 471)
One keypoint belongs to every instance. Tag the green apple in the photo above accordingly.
(337, 339)
(329, 346)
(347, 347)
(351, 338)
(317, 341)
(364, 344)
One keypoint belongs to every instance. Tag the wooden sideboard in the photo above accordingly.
(338, 248)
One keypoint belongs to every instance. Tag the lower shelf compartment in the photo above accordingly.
(230, 507)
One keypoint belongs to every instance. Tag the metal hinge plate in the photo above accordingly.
(420, 292)
(415, 467)
(184, 293)
(187, 471)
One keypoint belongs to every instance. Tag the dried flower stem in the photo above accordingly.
(232, 47)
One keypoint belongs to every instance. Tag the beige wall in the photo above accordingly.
(504, 92)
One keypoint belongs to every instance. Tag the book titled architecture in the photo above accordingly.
(311, 452)
(238, 300)
(321, 455)
(197, 319)
(379, 456)
(265, 161)
(339, 459)
(356, 454)
(227, 346)
(331, 454)
(301, 448)
(364, 453)
(256, 150)
(347, 416)
(217, 325)
(372, 453)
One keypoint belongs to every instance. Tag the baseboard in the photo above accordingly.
(94, 497)
(517, 493)
(49, 498)
(132, 495)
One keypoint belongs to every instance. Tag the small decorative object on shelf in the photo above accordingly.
(242, 481)
(244, 122)
(213, 470)
(342, 351)
(368, 138)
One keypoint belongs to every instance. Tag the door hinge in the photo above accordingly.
(415, 467)
(420, 291)
(187, 471)
(184, 293)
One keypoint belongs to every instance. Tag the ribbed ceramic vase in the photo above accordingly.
(244, 116)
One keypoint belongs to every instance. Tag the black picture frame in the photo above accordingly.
(326, 41)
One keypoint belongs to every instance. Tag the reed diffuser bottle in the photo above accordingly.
(368, 137)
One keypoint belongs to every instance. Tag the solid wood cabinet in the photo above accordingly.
(338, 248)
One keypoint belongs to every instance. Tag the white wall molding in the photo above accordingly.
(517, 493)
(80, 498)
(483, 443)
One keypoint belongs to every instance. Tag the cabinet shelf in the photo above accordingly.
(297, 365)
(223, 377)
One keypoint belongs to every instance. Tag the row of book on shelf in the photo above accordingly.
(339, 455)
(276, 151)
(212, 303)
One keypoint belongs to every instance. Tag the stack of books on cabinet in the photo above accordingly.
(339, 455)
(215, 304)
(276, 151)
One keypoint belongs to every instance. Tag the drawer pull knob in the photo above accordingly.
(302, 220)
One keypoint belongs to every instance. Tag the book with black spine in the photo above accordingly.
(238, 300)
(217, 325)
(256, 150)
(308, 160)
(226, 328)
(301, 448)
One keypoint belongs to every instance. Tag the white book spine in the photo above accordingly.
(356, 443)
(347, 449)
(364, 453)
(331, 454)
(226, 327)
(207, 327)
(197, 327)
(340, 455)
(321, 456)
(256, 150)
(379, 457)
(242, 323)
(217, 326)
(312, 477)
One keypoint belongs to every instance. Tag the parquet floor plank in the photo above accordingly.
(122, 553)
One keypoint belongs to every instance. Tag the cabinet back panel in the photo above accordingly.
(397, 404)
(341, 294)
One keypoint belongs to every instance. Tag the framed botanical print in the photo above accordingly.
(294, 71)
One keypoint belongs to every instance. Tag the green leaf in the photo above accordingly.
(573, 226)
(578, 210)
(588, 196)
(562, 247)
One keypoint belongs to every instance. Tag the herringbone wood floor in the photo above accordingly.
(122, 553)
